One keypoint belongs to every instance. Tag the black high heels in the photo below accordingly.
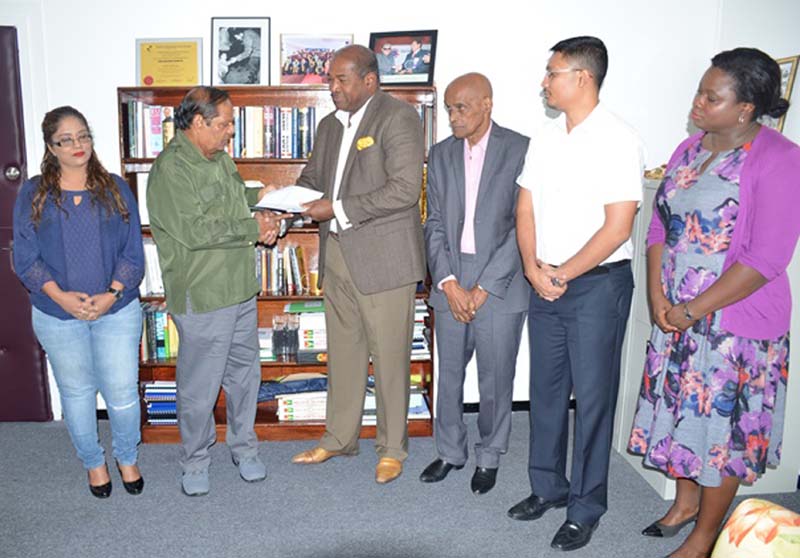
(101, 490)
(133, 487)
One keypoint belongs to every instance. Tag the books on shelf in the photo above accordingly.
(260, 131)
(152, 284)
(141, 197)
(282, 271)
(145, 127)
(159, 334)
(160, 399)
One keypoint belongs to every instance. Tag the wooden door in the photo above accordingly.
(23, 368)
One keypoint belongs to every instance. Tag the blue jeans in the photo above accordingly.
(92, 356)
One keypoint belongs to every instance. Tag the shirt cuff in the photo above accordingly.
(341, 219)
(450, 277)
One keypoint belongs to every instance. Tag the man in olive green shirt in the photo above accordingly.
(202, 225)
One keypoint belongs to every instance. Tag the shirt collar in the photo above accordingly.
(482, 143)
(588, 123)
(353, 118)
(191, 151)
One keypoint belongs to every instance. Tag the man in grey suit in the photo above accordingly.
(479, 293)
(368, 162)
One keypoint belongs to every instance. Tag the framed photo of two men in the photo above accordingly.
(405, 57)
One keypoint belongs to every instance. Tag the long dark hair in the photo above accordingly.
(101, 187)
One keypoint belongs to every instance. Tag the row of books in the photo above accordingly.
(420, 343)
(311, 406)
(160, 402)
(286, 270)
(281, 271)
(259, 131)
(160, 399)
(152, 283)
(159, 334)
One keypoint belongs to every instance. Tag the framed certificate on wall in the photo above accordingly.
(162, 62)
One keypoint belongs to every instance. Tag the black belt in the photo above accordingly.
(605, 268)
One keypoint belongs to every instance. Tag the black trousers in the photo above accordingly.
(575, 344)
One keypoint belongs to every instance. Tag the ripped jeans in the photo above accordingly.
(91, 356)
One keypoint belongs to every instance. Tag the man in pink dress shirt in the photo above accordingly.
(479, 290)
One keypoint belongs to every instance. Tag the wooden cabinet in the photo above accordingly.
(268, 170)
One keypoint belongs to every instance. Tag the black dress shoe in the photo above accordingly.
(572, 535)
(101, 491)
(533, 507)
(483, 479)
(133, 487)
(438, 470)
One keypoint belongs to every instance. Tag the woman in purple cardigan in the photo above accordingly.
(724, 228)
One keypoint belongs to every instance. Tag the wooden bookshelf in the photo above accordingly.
(276, 171)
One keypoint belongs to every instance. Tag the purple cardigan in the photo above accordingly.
(765, 234)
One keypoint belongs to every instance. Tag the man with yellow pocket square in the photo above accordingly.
(367, 160)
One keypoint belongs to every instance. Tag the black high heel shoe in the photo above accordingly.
(133, 487)
(100, 491)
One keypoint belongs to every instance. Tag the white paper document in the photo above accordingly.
(289, 198)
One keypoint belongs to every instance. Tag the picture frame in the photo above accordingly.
(405, 57)
(240, 51)
(165, 62)
(788, 68)
(305, 58)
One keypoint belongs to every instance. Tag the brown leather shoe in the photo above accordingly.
(314, 456)
(387, 470)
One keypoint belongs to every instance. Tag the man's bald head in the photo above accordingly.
(477, 83)
(362, 58)
(468, 100)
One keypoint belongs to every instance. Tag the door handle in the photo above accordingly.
(12, 173)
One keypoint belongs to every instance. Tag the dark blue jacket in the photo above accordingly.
(39, 250)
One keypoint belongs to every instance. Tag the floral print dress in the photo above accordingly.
(711, 403)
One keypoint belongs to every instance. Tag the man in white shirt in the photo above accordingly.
(580, 190)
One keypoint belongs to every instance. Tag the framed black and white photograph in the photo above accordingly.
(405, 57)
(240, 50)
(788, 68)
(306, 58)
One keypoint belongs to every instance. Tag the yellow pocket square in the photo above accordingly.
(363, 143)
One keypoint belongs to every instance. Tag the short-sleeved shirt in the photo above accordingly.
(572, 176)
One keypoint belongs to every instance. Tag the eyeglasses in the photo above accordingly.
(551, 74)
(71, 142)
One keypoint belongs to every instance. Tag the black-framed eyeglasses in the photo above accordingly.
(83, 139)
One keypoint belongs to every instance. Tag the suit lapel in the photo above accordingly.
(369, 114)
(457, 162)
(333, 155)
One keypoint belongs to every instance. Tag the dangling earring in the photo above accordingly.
(741, 118)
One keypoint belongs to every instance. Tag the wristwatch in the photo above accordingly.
(116, 292)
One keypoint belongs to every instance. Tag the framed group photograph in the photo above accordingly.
(162, 62)
(405, 57)
(788, 68)
(240, 50)
(306, 58)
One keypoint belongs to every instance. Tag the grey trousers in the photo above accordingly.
(217, 348)
(494, 335)
(360, 326)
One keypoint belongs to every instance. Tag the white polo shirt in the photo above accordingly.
(572, 176)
